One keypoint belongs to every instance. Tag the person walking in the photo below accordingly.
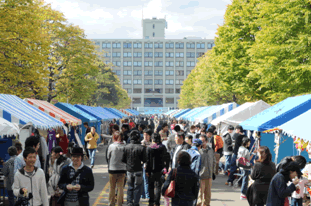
(218, 150)
(238, 137)
(206, 173)
(262, 173)
(181, 145)
(116, 169)
(134, 155)
(76, 181)
(186, 181)
(228, 148)
(157, 160)
(146, 142)
(8, 172)
(87, 130)
(92, 138)
(30, 181)
(195, 155)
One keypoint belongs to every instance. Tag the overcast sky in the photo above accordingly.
(121, 19)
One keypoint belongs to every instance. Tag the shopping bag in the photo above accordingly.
(170, 191)
(244, 163)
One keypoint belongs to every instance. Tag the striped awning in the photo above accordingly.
(15, 110)
(55, 112)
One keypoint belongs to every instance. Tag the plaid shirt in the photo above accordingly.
(8, 171)
(72, 196)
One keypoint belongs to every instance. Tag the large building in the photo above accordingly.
(152, 69)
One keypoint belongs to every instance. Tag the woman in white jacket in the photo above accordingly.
(244, 152)
(57, 162)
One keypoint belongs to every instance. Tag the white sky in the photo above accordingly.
(121, 19)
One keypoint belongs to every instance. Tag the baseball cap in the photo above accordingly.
(197, 141)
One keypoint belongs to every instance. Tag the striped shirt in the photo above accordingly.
(72, 196)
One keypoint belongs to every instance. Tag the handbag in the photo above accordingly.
(170, 191)
(244, 163)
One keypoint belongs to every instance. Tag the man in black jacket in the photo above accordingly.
(180, 145)
(238, 136)
(134, 155)
(228, 147)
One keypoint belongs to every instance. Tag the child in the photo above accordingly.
(298, 195)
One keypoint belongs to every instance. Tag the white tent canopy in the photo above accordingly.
(8, 128)
(239, 114)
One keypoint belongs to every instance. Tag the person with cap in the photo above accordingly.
(180, 145)
(208, 165)
(238, 136)
(195, 155)
(8, 172)
(76, 181)
(134, 155)
(228, 148)
(92, 138)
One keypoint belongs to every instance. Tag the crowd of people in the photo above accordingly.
(155, 158)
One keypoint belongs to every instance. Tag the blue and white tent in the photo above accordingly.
(192, 113)
(15, 110)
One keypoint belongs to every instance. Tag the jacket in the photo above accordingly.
(92, 140)
(278, 190)
(34, 184)
(208, 162)
(170, 143)
(115, 154)
(86, 182)
(228, 145)
(284, 162)
(186, 184)
(262, 175)
(219, 143)
(195, 159)
(134, 154)
(238, 142)
(8, 172)
(212, 142)
(157, 158)
(185, 146)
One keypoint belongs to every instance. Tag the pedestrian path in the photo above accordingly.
(222, 195)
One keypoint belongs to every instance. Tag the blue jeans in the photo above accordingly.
(92, 153)
(233, 168)
(145, 191)
(134, 182)
(179, 202)
(227, 163)
(296, 202)
(11, 198)
(245, 182)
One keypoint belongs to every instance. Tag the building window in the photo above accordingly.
(137, 81)
(148, 81)
(97, 43)
(153, 25)
(147, 37)
(116, 45)
(106, 46)
(137, 91)
(179, 54)
(137, 72)
(137, 45)
(169, 100)
(107, 54)
(179, 73)
(190, 54)
(148, 54)
(158, 91)
(158, 81)
(209, 46)
(179, 45)
(127, 72)
(190, 45)
(137, 54)
(118, 64)
(158, 54)
(169, 45)
(179, 64)
(199, 54)
(177, 91)
(179, 81)
(153, 34)
(169, 64)
(148, 64)
(137, 64)
(127, 64)
(200, 46)
(127, 54)
(116, 54)
(190, 64)
(136, 100)
(169, 81)
(148, 90)
(188, 72)
(169, 54)
(169, 91)
(117, 72)
(158, 64)
(158, 45)
(148, 45)
(129, 91)
(127, 81)
(148, 73)
(169, 73)
(127, 45)
(158, 73)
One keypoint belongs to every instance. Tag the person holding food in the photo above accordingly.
(29, 182)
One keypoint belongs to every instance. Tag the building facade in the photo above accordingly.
(152, 69)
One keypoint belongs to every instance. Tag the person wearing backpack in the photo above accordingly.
(57, 162)
(156, 161)
(228, 148)
(76, 181)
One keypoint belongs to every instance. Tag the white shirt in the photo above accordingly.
(175, 153)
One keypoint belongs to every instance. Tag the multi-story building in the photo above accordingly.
(152, 69)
